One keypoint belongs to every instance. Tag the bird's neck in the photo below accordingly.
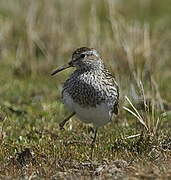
(92, 67)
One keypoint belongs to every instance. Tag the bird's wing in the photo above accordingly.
(111, 78)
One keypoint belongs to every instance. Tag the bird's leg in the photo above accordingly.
(94, 138)
(93, 142)
(61, 125)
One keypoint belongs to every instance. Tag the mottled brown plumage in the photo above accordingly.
(91, 91)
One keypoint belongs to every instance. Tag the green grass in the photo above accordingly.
(134, 40)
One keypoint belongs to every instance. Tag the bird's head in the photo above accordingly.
(82, 58)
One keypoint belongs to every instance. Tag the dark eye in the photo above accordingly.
(82, 55)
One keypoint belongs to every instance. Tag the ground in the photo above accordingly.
(134, 40)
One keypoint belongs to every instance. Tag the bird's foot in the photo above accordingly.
(61, 125)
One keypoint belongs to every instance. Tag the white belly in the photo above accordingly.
(98, 115)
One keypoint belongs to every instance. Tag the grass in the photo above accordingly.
(134, 40)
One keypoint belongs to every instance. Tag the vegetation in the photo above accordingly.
(134, 39)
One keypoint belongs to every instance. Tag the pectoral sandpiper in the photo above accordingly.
(90, 92)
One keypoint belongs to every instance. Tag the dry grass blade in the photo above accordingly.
(133, 136)
(144, 98)
(136, 113)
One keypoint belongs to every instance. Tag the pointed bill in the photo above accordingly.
(60, 69)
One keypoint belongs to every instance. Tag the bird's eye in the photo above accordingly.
(82, 55)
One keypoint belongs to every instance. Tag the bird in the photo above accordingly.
(91, 91)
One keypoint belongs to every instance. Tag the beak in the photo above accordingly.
(66, 66)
